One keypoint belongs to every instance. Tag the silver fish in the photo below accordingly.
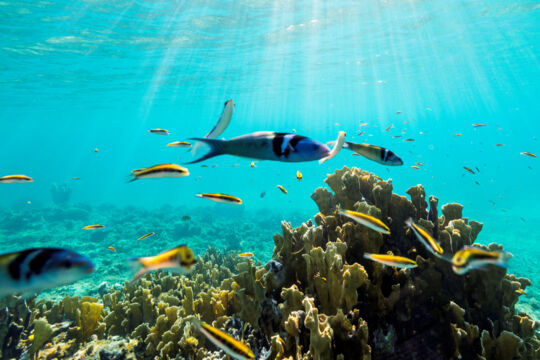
(267, 145)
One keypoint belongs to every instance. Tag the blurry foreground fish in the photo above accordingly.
(528, 154)
(221, 125)
(160, 171)
(93, 227)
(179, 259)
(470, 258)
(159, 131)
(234, 348)
(366, 220)
(29, 271)
(298, 175)
(266, 145)
(146, 236)
(179, 144)
(425, 238)
(391, 260)
(283, 190)
(15, 179)
(374, 153)
(222, 198)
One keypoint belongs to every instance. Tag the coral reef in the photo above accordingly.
(317, 298)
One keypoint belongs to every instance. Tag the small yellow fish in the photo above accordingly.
(160, 171)
(159, 131)
(112, 248)
(252, 164)
(415, 167)
(469, 170)
(146, 236)
(298, 175)
(293, 130)
(366, 220)
(283, 190)
(222, 198)
(364, 124)
(96, 150)
(179, 144)
(470, 258)
(93, 227)
(528, 154)
(457, 135)
(425, 238)
(522, 292)
(15, 179)
(246, 254)
(391, 260)
(408, 140)
(75, 178)
(29, 202)
(179, 259)
(236, 349)
(479, 125)
(323, 278)
(419, 164)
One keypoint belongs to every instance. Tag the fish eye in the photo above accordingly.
(68, 264)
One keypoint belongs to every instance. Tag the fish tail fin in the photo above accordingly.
(367, 255)
(505, 256)
(131, 178)
(409, 222)
(216, 149)
(137, 267)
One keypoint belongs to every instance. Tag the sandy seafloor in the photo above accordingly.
(228, 228)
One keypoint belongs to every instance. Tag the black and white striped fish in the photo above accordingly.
(374, 153)
(267, 145)
(30, 271)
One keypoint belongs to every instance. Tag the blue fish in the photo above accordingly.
(267, 145)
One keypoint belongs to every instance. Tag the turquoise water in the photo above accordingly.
(81, 75)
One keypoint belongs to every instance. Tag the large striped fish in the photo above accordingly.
(30, 271)
(267, 145)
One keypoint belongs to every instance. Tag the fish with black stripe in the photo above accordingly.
(267, 145)
(159, 171)
(29, 271)
(234, 348)
(375, 153)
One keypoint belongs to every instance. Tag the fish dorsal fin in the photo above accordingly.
(174, 248)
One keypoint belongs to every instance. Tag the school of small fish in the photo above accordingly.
(32, 270)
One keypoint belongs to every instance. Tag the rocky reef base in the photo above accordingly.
(318, 298)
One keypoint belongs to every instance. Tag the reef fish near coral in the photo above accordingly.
(160, 171)
(15, 179)
(375, 153)
(266, 145)
(93, 227)
(392, 260)
(425, 238)
(470, 258)
(366, 220)
(236, 349)
(32, 270)
(179, 259)
(222, 198)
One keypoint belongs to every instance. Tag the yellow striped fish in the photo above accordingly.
(146, 236)
(528, 154)
(15, 179)
(298, 175)
(222, 198)
(283, 190)
(470, 258)
(246, 255)
(179, 259)
(366, 220)
(160, 171)
(391, 260)
(234, 348)
(425, 238)
(179, 144)
(93, 227)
